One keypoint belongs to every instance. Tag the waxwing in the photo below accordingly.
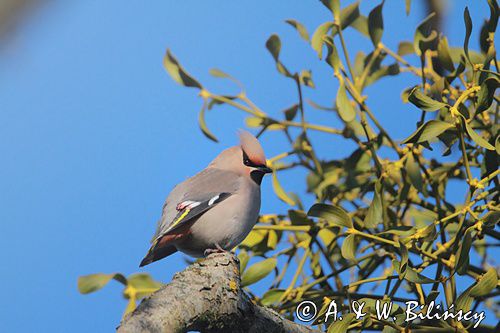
(215, 209)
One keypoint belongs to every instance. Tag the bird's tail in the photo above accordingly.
(157, 253)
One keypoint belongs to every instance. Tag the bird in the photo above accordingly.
(216, 209)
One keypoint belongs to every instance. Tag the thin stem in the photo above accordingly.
(375, 279)
(319, 128)
(346, 54)
(326, 277)
(281, 156)
(367, 69)
(464, 156)
(297, 273)
(370, 236)
(242, 107)
(294, 228)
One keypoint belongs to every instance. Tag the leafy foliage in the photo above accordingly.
(136, 286)
(382, 214)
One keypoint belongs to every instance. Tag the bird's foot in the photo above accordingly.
(218, 249)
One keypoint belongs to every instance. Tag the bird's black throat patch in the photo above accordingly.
(257, 176)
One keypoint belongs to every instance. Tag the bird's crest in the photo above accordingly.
(251, 146)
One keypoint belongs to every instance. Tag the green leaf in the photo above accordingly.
(348, 248)
(272, 296)
(462, 261)
(403, 264)
(414, 173)
(428, 131)
(361, 25)
(214, 101)
(350, 15)
(335, 215)
(457, 53)
(402, 231)
(444, 54)
(346, 110)
(464, 301)
(494, 14)
(223, 75)
(341, 326)
(254, 238)
(486, 283)
(476, 137)
(383, 71)
(431, 296)
(299, 217)
(332, 5)
(491, 219)
(468, 31)
(375, 214)
(218, 73)
(178, 73)
(272, 239)
(300, 29)
(423, 34)
(258, 271)
(142, 284)
(405, 48)
(319, 107)
(428, 42)
(203, 125)
(253, 122)
(305, 78)
(426, 233)
(415, 277)
(243, 257)
(93, 282)
(280, 192)
(315, 264)
(411, 275)
(483, 38)
(360, 62)
(424, 102)
(406, 93)
(486, 94)
(376, 24)
(273, 44)
(332, 57)
(318, 36)
(291, 112)
(327, 236)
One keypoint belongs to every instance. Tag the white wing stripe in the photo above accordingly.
(214, 199)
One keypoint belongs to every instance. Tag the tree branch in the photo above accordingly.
(206, 297)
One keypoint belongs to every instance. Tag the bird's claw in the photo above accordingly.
(217, 249)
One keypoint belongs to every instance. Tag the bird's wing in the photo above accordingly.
(200, 188)
(193, 208)
(188, 211)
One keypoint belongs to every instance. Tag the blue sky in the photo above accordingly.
(94, 134)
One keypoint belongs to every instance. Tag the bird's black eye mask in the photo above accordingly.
(260, 169)
(248, 162)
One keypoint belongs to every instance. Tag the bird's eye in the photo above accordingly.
(246, 160)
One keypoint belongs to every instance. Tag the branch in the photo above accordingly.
(206, 297)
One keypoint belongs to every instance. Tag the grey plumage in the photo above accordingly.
(200, 187)
(214, 209)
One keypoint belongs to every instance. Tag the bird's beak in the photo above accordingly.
(265, 169)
